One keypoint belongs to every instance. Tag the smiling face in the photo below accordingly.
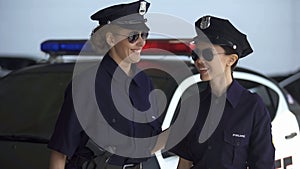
(218, 66)
(122, 50)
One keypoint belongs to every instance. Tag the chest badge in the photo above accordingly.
(142, 9)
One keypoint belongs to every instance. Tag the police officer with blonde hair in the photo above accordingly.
(120, 35)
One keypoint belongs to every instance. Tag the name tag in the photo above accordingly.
(238, 135)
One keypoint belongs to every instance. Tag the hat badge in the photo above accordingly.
(205, 22)
(142, 9)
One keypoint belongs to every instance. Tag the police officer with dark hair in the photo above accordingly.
(122, 95)
(233, 127)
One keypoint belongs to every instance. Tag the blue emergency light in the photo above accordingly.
(66, 47)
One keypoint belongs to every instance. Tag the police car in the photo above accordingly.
(30, 99)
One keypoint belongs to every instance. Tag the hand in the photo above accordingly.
(161, 141)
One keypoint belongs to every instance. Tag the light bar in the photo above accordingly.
(168, 47)
(63, 47)
(152, 47)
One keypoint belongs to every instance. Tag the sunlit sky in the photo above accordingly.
(272, 26)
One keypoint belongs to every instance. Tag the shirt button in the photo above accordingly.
(238, 143)
(113, 120)
(209, 147)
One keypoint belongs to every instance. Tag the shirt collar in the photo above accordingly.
(111, 66)
(233, 95)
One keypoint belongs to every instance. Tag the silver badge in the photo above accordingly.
(205, 22)
(142, 9)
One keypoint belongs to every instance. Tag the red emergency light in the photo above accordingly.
(168, 47)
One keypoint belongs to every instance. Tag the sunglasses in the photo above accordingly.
(207, 54)
(132, 37)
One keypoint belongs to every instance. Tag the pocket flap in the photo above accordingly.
(236, 138)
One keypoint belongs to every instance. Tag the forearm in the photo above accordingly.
(184, 164)
(57, 160)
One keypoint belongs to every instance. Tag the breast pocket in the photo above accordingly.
(235, 149)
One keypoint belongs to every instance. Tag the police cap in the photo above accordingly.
(222, 32)
(130, 16)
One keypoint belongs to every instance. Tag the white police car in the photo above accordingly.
(30, 99)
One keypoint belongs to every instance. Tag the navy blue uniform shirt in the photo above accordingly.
(242, 137)
(69, 137)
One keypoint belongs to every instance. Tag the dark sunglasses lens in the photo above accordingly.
(207, 54)
(133, 37)
(144, 35)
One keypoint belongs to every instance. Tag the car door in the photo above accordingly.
(30, 100)
(285, 128)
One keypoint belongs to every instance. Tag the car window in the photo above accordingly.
(10, 63)
(30, 102)
(294, 89)
(269, 96)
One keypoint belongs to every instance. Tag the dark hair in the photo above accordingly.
(228, 51)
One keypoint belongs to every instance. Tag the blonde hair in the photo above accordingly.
(98, 37)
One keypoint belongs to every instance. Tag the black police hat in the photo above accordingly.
(130, 16)
(222, 32)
